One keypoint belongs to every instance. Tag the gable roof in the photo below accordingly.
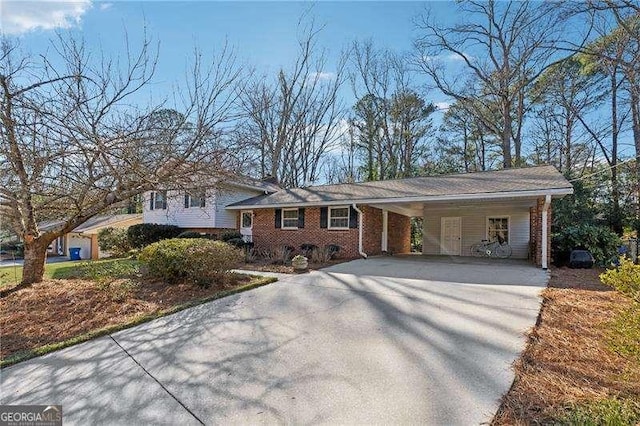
(96, 223)
(530, 181)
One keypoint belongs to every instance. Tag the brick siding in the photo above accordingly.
(265, 234)
(535, 214)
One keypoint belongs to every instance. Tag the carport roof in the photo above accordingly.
(521, 182)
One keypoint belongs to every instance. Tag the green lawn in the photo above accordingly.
(13, 274)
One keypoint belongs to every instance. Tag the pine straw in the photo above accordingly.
(56, 310)
(567, 360)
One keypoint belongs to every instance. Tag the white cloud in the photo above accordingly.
(457, 57)
(442, 106)
(321, 75)
(105, 6)
(17, 17)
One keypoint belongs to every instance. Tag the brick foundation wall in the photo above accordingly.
(265, 234)
(535, 214)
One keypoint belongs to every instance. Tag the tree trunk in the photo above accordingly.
(506, 135)
(35, 254)
(635, 117)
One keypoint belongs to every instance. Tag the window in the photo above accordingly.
(338, 217)
(498, 229)
(194, 199)
(290, 218)
(246, 220)
(158, 200)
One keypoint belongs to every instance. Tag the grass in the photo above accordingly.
(59, 270)
(84, 300)
(582, 361)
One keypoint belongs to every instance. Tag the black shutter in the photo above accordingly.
(278, 222)
(151, 199)
(324, 217)
(300, 218)
(202, 200)
(353, 218)
(164, 200)
(186, 200)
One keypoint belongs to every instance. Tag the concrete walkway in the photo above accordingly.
(384, 340)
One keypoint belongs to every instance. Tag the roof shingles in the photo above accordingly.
(540, 178)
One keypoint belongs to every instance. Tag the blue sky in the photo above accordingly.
(264, 33)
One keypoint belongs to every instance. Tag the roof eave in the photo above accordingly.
(554, 192)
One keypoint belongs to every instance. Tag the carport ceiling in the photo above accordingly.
(417, 209)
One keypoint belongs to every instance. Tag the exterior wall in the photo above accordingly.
(535, 214)
(209, 218)
(399, 230)
(474, 228)
(265, 234)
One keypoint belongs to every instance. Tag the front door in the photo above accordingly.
(450, 238)
(246, 225)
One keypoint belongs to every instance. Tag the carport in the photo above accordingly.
(457, 211)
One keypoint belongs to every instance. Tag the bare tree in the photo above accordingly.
(73, 142)
(296, 119)
(392, 120)
(503, 49)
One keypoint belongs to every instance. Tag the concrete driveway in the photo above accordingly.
(383, 340)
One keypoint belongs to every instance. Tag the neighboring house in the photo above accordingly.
(371, 218)
(85, 236)
(203, 210)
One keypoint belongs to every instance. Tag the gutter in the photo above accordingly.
(411, 199)
(545, 229)
(360, 227)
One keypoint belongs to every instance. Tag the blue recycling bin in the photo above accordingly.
(74, 253)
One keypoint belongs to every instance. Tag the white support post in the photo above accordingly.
(545, 233)
(385, 230)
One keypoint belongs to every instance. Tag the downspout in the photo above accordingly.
(360, 227)
(545, 227)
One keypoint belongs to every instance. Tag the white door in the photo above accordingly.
(451, 236)
(246, 225)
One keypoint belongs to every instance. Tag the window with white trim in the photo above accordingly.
(339, 217)
(195, 199)
(158, 200)
(289, 218)
(246, 219)
(498, 229)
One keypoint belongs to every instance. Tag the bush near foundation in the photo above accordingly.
(114, 240)
(143, 234)
(196, 260)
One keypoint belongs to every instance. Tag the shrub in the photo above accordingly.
(230, 235)
(625, 279)
(237, 242)
(114, 240)
(142, 235)
(321, 255)
(196, 260)
(307, 249)
(194, 234)
(278, 255)
(599, 240)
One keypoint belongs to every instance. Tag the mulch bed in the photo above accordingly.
(567, 360)
(287, 269)
(56, 310)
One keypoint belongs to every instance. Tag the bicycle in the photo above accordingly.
(498, 248)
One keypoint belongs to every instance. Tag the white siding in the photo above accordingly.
(474, 227)
(229, 218)
(213, 215)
